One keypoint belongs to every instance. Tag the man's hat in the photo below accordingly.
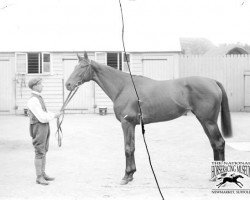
(33, 82)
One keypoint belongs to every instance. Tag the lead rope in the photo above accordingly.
(138, 101)
(69, 97)
(59, 133)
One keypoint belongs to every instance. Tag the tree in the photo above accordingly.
(196, 46)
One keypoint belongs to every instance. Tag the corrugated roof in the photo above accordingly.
(30, 25)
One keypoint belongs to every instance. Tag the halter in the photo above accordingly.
(59, 133)
(83, 76)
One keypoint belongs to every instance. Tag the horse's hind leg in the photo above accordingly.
(208, 121)
(216, 140)
(220, 184)
(129, 144)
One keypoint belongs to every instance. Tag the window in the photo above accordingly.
(114, 60)
(38, 63)
(46, 63)
(33, 63)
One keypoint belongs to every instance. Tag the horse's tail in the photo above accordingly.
(226, 124)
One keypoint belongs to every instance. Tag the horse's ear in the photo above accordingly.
(79, 57)
(86, 55)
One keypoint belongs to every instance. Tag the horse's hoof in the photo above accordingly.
(125, 181)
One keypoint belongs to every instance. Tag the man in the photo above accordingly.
(39, 129)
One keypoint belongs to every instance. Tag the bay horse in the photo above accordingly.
(160, 101)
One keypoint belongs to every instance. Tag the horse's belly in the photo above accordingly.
(162, 112)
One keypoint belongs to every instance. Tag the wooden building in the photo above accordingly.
(17, 68)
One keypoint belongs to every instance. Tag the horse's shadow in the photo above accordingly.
(232, 179)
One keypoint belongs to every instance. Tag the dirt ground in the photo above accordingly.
(91, 161)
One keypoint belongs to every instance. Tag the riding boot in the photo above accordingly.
(39, 179)
(45, 176)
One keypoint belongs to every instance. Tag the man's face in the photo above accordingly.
(38, 87)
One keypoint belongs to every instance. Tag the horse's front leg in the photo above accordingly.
(129, 144)
(238, 184)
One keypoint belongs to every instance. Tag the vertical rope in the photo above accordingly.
(138, 101)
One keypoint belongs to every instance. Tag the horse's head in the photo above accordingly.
(239, 176)
(81, 74)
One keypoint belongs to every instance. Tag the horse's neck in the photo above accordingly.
(110, 80)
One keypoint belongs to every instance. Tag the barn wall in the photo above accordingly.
(101, 99)
(229, 70)
(7, 81)
(136, 65)
(52, 91)
(83, 100)
(54, 83)
(136, 60)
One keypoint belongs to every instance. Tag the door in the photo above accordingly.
(247, 91)
(83, 100)
(101, 99)
(6, 87)
(159, 69)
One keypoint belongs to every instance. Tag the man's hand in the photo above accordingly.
(57, 115)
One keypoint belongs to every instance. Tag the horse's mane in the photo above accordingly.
(119, 71)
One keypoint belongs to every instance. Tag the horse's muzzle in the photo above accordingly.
(69, 86)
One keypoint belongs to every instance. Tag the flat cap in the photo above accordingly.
(33, 82)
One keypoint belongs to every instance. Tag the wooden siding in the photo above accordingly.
(21, 63)
(229, 70)
(136, 65)
(53, 83)
(247, 91)
(159, 69)
(136, 61)
(7, 83)
(101, 99)
(52, 91)
(83, 100)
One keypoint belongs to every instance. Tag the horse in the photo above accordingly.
(232, 179)
(159, 101)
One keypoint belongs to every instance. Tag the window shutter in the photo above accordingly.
(21, 63)
(46, 63)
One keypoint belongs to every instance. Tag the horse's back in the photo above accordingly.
(202, 86)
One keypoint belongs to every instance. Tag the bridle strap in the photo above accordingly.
(59, 133)
(83, 76)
